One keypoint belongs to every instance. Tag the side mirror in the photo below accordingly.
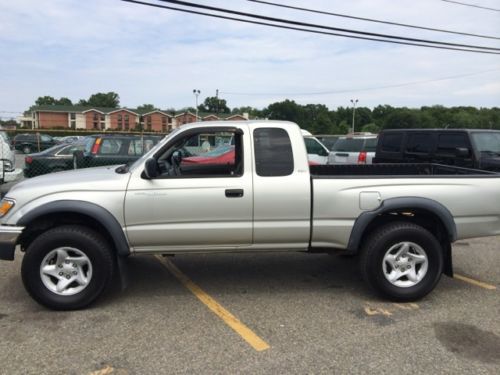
(462, 152)
(151, 169)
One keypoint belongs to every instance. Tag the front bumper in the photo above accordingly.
(8, 241)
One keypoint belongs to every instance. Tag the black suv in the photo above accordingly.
(33, 142)
(110, 149)
(468, 148)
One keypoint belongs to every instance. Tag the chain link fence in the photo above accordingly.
(35, 153)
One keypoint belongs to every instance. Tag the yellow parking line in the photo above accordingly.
(246, 333)
(475, 282)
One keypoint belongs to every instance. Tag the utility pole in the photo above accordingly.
(196, 94)
(217, 97)
(354, 102)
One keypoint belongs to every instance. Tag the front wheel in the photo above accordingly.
(402, 261)
(67, 267)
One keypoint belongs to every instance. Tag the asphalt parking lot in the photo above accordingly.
(259, 313)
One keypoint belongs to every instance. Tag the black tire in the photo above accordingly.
(88, 242)
(381, 241)
(26, 150)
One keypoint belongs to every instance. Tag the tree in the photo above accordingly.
(370, 128)
(147, 108)
(101, 99)
(213, 104)
(252, 112)
(49, 100)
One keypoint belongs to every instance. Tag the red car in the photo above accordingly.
(221, 155)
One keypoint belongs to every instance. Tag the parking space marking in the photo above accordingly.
(474, 282)
(246, 333)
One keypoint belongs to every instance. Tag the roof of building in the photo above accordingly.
(81, 108)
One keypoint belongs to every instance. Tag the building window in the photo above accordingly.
(73, 116)
(95, 125)
(127, 125)
(95, 117)
(73, 124)
(102, 117)
(148, 121)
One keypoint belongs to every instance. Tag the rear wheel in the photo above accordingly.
(402, 261)
(67, 267)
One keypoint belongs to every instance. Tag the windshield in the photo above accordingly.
(486, 141)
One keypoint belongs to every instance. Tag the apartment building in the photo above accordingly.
(125, 119)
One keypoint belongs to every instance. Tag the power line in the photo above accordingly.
(471, 5)
(372, 20)
(306, 30)
(344, 91)
(338, 29)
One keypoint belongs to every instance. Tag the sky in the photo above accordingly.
(71, 48)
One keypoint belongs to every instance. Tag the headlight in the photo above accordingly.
(5, 206)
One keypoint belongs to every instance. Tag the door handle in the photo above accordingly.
(234, 193)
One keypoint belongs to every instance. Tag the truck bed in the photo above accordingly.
(394, 169)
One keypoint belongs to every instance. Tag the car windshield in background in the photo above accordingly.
(349, 145)
(486, 142)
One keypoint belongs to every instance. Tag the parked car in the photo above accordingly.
(328, 140)
(55, 159)
(316, 151)
(221, 155)
(33, 142)
(76, 227)
(109, 149)
(356, 148)
(474, 148)
(8, 171)
(70, 139)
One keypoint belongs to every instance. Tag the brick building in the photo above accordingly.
(125, 119)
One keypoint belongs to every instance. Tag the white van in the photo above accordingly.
(316, 152)
(8, 171)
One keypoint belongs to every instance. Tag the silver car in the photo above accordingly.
(358, 148)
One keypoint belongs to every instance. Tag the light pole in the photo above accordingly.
(354, 102)
(196, 93)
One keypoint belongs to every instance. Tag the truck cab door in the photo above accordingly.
(282, 189)
(199, 200)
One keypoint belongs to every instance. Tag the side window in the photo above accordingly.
(371, 145)
(207, 154)
(45, 138)
(392, 142)
(419, 144)
(110, 146)
(312, 146)
(448, 143)
(273, 152)
(71, 149)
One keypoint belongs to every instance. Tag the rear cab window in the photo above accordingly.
(273, 152)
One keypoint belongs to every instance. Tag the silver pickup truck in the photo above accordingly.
(258, 194)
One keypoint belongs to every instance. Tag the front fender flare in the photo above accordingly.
(98, 213)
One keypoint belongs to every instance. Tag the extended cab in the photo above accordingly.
(76, 226)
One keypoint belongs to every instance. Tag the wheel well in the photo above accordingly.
(424, 218)
(42, 223)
